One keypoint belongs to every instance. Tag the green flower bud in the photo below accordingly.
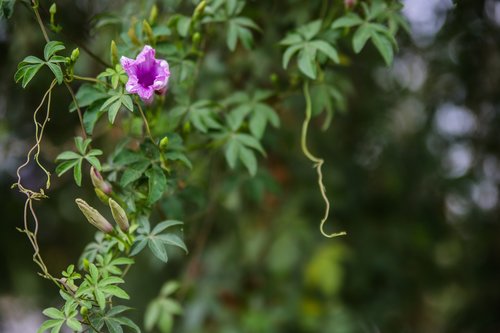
(119, 215)
(153, 14)
(53, 9)
(94, 217)
(196, 38)
(164, 143)
(101, 195)
(131, 32)
(114, 53)
(75, 54)
(199, 10)
(149, 32)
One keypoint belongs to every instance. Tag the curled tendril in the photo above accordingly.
(317, 163)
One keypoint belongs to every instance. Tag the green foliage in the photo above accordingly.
(156, 239)
(161, 311)
(160, 152)
(372, 28)
(6, 8)
(27, 69)
(74, 160)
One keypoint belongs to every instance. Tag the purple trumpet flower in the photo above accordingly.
(146, 74)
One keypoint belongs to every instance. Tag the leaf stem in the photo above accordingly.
(146, 124)
(317, 162)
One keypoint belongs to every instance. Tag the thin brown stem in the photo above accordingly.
(80, 117)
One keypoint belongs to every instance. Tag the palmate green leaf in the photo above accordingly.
(113, 111)
(361, 36)
(139, 244)
(133, 172)
(77, 173)
(157, 183)
(232, 153)
(51, 48)
(164, 225)
(86, 96)
(310, 30)
(158, 248)
(53, 313)
(289, 52)
(152, 314)
(262, 114)
(327, 49)
(68, 155)
(115, 291)
(239, 28)
(384, 47)
(307, 62)
(53, 324)
(56, 69)
(248, 159)
(174, 240)
(347, 21)
(26, 72)
(91, 116)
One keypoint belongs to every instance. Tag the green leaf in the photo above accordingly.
(173, 239)
(91, 116)
(32, 60)
(289, 52)
(51, 48)
(249, 160)
(164, 225)
(327, 49)
(113, 326)
(113, 111)
(307, 63)
(55, 324)
(169, 288)
(57, 72)
(383, 46)
(158, 248)
(74, 324)
(115, 291)
(153, 312)
(100, 298)
(65, 166)
(347, 21)
(183, 25)
(232, 35)
(68, 155)
(127, 101)
(231, 153)
(138, 246)
(360, 37)
(7, 8)
(77, 172)
(28, 74)
(53, 313)
(157, 183)
(87, 95)
(291, 39)
(249, 141)
(133, 172)
(310, 30)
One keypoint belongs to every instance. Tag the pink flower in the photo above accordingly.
(146, 74)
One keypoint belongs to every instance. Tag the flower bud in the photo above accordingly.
(114, 53)
(101, 195)
(94, 217)
(149, 32)
(75, 54)
(196, 38)
(53, 9)
(131, 32)
(349, 3)
(199, 10)
(99, 182)
(119, 215)
(153, 14)
(164, 143)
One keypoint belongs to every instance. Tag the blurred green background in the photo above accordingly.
(412, 170)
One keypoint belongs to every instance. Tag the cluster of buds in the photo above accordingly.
(100, 222)
(103, 189)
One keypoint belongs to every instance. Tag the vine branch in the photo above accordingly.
(317, 163)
